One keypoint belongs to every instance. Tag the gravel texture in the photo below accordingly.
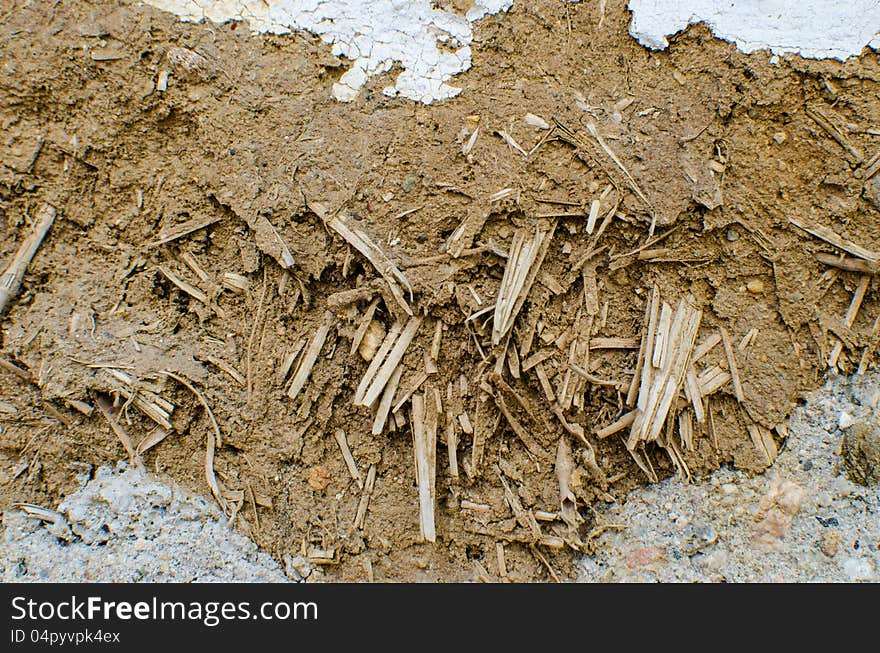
(804, 520)
(125, 525)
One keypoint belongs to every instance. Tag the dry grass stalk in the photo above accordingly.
(870, 348)
(570, 137)
(513, 362)
(535, 359)
(307, 362)
(257, 323)
(869, 168)
(593, 216)
(469, 145)
(322, 556)
(385, 402)
(501, 392)
(706, 346)
(661, 341)
(648, 366)
(747, 339)
(342, 441)
(629, 178)
(152, 438)
(54, 413)
(731, 365)
(830, 237)
(591, 290)
(344, 298)
(686, 430)
(620, 424)
(850, 317)
(502, 564)
(550, 282)
(564, 468)
(578, 361)
(669, 378)
(174, 232)
(24, 375)
(595, 380)
(633, 390)
(185, 287)
(437, 340)
(396, 280)
(223, 366)
(463, 237)
(156, 408)
(106, 408)
(848, 264)
(382, 366)
(682, 470)
(712, 384)
(192, 263)
(614, 343)
(289, 358)
(486, 421)
(277, 248)
(10, 282)
(509, 140)
(452, 445)
(363, 325)
(524, 518)
(644, 463)
(80, 406)
(693, 391)
(763, 441)
(526, 255)
(236, 282)
(214, 439)
(420, 378)
(835, 132)
(364, 502)
(425, 443)
(536, 121)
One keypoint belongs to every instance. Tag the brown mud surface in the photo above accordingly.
(247, 142)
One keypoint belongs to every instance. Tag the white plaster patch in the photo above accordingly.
(374, 34)
(377, 34)
(816, 29)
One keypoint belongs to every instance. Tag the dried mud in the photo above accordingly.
(247, 138)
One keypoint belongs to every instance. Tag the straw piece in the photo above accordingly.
(731, 365)
(10, 282)
(526, 255)
(384, 373)
(395, 279)
(307, 362)
(425, 442)
(832, 238)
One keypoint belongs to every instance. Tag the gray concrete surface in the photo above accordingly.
(125, 525)
(804, 520)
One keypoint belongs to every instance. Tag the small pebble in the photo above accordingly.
(732, 235)
(755, 286)
(409, 183)
(845, 421)
(857, 569)
(780, 137)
